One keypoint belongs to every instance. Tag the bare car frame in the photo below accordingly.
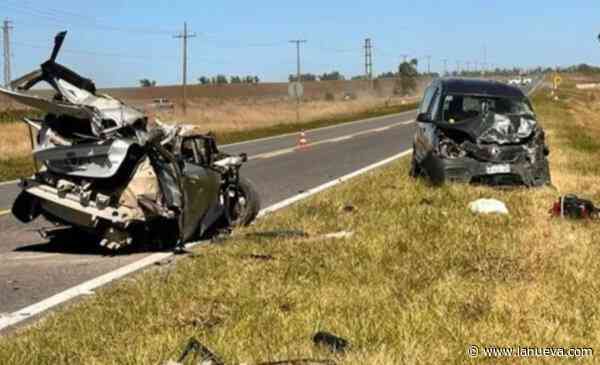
(106, 172)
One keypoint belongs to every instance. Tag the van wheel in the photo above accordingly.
(415, 169)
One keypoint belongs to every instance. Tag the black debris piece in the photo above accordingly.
(331, 341)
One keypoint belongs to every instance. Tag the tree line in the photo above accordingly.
(223, 80)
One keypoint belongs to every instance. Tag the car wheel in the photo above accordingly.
(245, 210)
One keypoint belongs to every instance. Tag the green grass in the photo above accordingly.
(421, 279)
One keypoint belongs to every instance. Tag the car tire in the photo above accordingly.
(415, 169)
(243, 216)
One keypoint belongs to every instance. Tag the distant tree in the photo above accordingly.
(235, 80)
(147, 83)
(256, 80)
(332, 76)
(250, 79)
(221, 80)
(204, 80)
(358, 77)
(304, 77)
(407, 71)
(386, 75)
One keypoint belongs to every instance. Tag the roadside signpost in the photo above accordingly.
(296, 90)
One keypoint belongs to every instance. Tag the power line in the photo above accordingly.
(80, 21)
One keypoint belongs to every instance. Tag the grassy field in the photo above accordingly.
(420, 281)
(231, 121)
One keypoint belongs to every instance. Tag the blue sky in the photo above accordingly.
(119, 42)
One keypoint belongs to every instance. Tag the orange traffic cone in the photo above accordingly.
(302, 141)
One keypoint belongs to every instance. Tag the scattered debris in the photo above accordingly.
(278, 234)
(259, 257)
(302, 235)
(349, 208)
(336, 235)
(426, 201)
(204, 356)
(196, 349)
(571, 206)
(331, 341)
(488, 206)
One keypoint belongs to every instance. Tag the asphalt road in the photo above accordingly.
(31, 269)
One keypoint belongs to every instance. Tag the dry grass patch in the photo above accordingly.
(223, 116)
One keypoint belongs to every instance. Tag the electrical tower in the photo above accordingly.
(184, 36)
(6, 35)
(368, 59)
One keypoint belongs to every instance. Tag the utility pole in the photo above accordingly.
(458, 67)
(298, 75)
(6, 32)
(184, 36)
(445, 61)
(428, 64)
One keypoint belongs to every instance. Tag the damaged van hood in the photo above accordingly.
(495, 128)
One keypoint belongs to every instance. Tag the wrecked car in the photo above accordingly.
(478, 131)
(107, 172)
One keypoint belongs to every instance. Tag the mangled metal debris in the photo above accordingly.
(106, 171)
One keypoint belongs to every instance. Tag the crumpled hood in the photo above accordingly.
(495, 128)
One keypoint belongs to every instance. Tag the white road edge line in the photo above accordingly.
(88, 287)
(8, 182)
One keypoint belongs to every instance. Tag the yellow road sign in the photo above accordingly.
(557, 81)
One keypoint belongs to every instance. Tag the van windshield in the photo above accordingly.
(458, 108)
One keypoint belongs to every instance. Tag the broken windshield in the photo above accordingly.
(457, 108)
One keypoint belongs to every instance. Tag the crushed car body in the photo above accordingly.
(105, 171)
(479, 131)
